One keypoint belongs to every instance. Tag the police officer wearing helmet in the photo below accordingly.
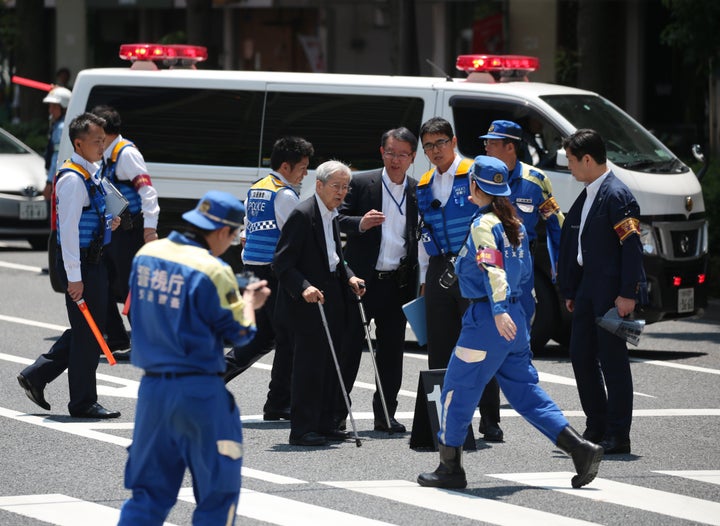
(185, 417)
(493, 267)
(57, 100)
(531, 193)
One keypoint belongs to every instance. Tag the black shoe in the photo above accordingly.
(276, 414)
(491, 431)
(96, 411)
(449, 474)
(336, 435)
(585, 455)
(33, 393)
(615, 446)
(395, 426)
(593, 436)
(118, 345)
(122, 356)
(309, 439)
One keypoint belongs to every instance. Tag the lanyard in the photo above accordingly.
(399, 205)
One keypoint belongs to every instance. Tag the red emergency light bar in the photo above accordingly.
(172, 54)
(501, 67)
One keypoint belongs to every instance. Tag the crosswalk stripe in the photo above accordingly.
(287, 512)
(608, 491)
(710, 476)
(456, 503)
(61, 510)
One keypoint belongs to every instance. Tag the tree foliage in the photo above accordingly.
(693, 28)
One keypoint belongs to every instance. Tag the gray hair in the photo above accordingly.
(328, 168)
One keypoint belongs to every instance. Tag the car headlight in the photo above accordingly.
(648, 239)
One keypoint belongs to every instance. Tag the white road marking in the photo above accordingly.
(709, 476)
(61, 510)
(17, 266)
(287, 512)
(637, 497)
(674, 365)
(33, 323)
(456, 503)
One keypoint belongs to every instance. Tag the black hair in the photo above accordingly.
(111, 116)
(400, 134)
(290, 150)
(586, 142)
(80, 125)
(438, 126)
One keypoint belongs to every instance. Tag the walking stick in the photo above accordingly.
(374, 362)
(339, 373)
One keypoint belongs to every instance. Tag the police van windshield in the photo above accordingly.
(629, 145)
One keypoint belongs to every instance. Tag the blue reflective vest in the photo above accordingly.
(127, 189)
(444, 228)
(262, 232)
(93, 220)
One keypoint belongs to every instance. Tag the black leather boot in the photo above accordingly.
(449, 474)
(586, 455)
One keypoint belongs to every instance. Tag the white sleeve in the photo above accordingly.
(285, 202)
(130, 164)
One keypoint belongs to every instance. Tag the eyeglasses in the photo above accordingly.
(339, 187)
(393, 155)
(429, 146)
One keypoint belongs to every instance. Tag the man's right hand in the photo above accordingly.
(313, 295)
(75, 290)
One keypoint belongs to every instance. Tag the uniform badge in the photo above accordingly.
(498, 178)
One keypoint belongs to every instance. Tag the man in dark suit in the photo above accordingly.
(379, 216)
(600, 267)
(311, 269)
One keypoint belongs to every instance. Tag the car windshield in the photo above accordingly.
(8, 144)
(629, 145)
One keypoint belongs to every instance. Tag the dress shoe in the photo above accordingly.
(122, 356)
(276, 414)
(118, 345)
(96, 411)
(395, 426)
(491, 431)
(33, 393)
(593, 436)
(336, 435)
(615, 446)
(309, 439)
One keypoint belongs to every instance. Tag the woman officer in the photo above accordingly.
(492, 268)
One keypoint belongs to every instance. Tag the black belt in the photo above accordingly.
(171, 375)
(485, 299)
(385, 274)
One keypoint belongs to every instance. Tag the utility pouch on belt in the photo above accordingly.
(448, 278)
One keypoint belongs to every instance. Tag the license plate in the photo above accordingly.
(33, 210)
(686, 300)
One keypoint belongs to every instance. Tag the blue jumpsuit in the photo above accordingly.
(493, 286)
(185, 303)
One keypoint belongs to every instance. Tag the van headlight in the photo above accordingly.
(648, 239)
(704, 245)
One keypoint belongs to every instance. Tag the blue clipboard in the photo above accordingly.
(415, 313)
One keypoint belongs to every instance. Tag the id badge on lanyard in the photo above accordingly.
(460, 194)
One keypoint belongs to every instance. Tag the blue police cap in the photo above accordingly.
(491, 175)
(216, 210)
(503, 130)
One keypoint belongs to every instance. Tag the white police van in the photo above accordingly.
(203, 129)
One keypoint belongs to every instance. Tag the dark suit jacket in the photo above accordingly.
(301, 260)
(611, 267)
(363, 248)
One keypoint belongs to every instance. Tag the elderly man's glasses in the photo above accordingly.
(339, 187)
(429, 146)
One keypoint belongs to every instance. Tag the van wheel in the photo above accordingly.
(547, 316)
(38, 242)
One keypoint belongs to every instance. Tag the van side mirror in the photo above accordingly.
(561, 158)
(701, 158)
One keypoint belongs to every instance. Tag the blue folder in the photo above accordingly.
(415, 314)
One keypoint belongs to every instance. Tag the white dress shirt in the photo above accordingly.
(327, 217)
(392, 239)
(592, 190)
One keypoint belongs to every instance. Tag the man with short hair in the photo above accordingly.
(186, 304)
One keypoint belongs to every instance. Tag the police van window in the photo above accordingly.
(472, 118)
(628, 144)
(346, 127)
(188, 126)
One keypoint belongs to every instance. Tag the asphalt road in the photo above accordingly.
(63, 471)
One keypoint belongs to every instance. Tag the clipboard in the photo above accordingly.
(415, 313)
(115, 202)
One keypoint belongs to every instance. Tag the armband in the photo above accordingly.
(548, 208)
(141, 180)
(489, 256)
(627, 227)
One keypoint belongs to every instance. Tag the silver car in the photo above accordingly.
(24, 213)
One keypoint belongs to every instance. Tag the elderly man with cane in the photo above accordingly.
(311, 269)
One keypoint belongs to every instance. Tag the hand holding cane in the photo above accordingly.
(94, 328)
(374, 362)
(337, 368)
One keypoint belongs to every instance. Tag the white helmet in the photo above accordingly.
(58, 96)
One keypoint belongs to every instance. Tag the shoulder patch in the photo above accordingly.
(627, 227)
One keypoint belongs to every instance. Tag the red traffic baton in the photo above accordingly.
(93, 326)
(29, 83)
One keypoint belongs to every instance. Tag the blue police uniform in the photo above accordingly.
(52, 148)
(185, 305)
